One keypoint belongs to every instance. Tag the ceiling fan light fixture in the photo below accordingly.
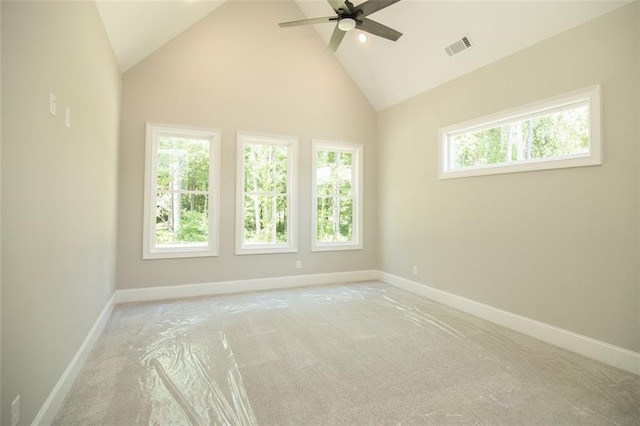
(347, 24)
(351, 17)
(362, 37)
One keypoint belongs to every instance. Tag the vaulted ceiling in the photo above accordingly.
(387, 72)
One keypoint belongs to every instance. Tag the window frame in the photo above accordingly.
(242, 248)
(211, 248)
(358, 198)
(590, 96)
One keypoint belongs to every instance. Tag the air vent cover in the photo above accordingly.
(459, 46)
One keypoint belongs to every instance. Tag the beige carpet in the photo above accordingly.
(361, 353)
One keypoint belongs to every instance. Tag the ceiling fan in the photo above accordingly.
(349, 17)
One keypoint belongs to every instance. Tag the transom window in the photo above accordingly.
(181, 192)
(336, 196)
(554, 133)
(266, 198)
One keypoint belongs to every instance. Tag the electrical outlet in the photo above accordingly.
(414, 270)
(298, 264)
(67, 117)
(15, 411)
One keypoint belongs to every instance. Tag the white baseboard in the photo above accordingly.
(240, 286)
(609, 354)
(53, 403)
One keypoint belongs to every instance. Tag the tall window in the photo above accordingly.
(266, 197)
(336, 196)
(181, 192)
(553, 133)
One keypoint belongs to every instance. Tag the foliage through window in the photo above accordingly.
(181, 192)
(560, 132)
(336, 196)
(266, 194)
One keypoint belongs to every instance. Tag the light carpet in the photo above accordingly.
(359, 353)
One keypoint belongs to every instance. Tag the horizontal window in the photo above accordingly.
(560, 132)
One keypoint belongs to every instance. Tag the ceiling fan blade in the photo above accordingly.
(337, 5)
(376, 28)
(336, 38)
(307, 21)
(372, 6)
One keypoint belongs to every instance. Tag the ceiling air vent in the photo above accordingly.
(459, 46)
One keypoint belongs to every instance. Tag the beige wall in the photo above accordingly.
(58, 190)
(558, 246)
(236, 70)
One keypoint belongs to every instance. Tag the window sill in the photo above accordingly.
(265, 249)
(336, 247)
(529, 166)
(185, 253)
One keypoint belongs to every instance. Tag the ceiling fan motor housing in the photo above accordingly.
(347, 24)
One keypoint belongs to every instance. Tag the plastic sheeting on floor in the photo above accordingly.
(363, 353)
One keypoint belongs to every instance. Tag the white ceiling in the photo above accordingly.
(137, 28)
(386, 72)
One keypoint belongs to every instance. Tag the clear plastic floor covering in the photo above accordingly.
(361, 353)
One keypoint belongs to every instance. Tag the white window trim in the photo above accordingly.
(211, 247)
(292, 184)
(357, 162)
(590, 95)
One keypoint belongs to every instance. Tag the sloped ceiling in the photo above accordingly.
(386, 72)
(137, 28)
